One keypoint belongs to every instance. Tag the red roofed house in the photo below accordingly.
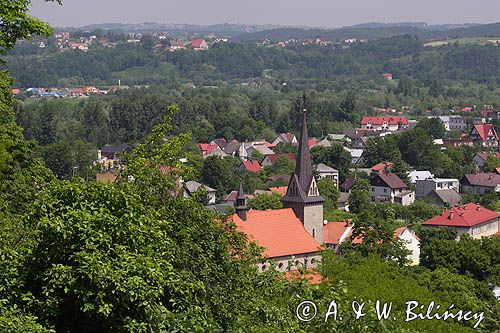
(484, 135)
(199, 45)
(250, 166)
(480, 183)
(271, 158)
(291, 236)
(334, 233)
(382, 167)
(280, 190)
(388, 187)
(210, 149)
(387, 76)
(312, 142)
(469, 219)
(384, 123)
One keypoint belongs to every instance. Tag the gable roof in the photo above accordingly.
(382, 166)
(207, 148)
(449, 196)
(490, 179)
(335, 232)
(463, 216)
(198, 42)
(113, 149)
(273, 157)
(252, 166)
(279, 231)
(381, 120)
(280, 190)
(347, 184)
(389, 179)
(483, 130)
(324, 168)
(484, 155)
(193, 186)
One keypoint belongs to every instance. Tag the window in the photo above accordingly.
(264, 267)
(281, 265)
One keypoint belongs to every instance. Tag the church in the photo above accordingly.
(291, 236)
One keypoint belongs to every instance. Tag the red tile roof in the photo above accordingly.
(273, 157)
(207, 148)
(279, 231)
(484, 131)
(197, 43)
(381, 166)
(281, 190)
(381, 120)
(463, 216)
(333, 231)
(252, 166)
(312, 142)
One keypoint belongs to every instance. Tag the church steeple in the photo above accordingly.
(302, 194)
(240, 204)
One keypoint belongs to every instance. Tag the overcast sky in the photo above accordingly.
(325, 13)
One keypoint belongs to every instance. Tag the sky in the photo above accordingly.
(317, 13)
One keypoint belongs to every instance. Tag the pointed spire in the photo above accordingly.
(303, 168)
(240, 204)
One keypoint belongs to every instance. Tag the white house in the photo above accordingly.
(426, 186)
(324, 171)
(411, 242)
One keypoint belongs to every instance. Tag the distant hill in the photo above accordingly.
(375, 31)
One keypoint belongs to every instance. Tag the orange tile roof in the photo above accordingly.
(279, 231)
(382, 165)
(252, 166)
(281, 190)
(333, 231)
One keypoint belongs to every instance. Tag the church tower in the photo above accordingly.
(240, 203)
(303, 194)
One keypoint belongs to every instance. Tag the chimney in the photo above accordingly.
(478, 208)
(452, 214)
(240, 204)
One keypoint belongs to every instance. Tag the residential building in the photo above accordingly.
(271, 158)
(481, 157)
(484, 135)
(334, 138)
(382, 167)
(335, 233)
(211, 149)
(453, 123)
(324, 171)
(469, 219)
(384, 123)
(415, 175)
(411, 242)
(198, 45)
(388, 187)
(191, 187)
(425, 186)
(446, 198)
(250, 166)
(480, 183)
(258, 146)
(356, 155)
(285, 138)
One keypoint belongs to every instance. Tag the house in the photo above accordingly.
(324, 171)
(211, 149)
(232, 147)
(425, 186)
(382, 167)
(250, 166)
(415, 175)
(484, 135)
(458, 142)
(335, 233)
(191, 187)
(344, 201)
(356, 155)
(285, 138)
(198, 45)
(391, 124)
(481, 157)
(259, 147)
(221, 142)
(388, 187)
(469, 219)
(453, 123)
(271, 158)
(387, 76)
(411, 242)
(113, 152)
(334, 138)
(281, 190)
(177, 44)
(480, 183)
(447, 198)
(347, 185)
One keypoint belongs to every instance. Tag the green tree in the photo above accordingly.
(282, 166)
(266, 201)
(330, 193)
(335, 156)
(220, 174)
(359, 199)
(492, 162)
(433, 127)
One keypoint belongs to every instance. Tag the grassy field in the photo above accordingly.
(467, 41)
